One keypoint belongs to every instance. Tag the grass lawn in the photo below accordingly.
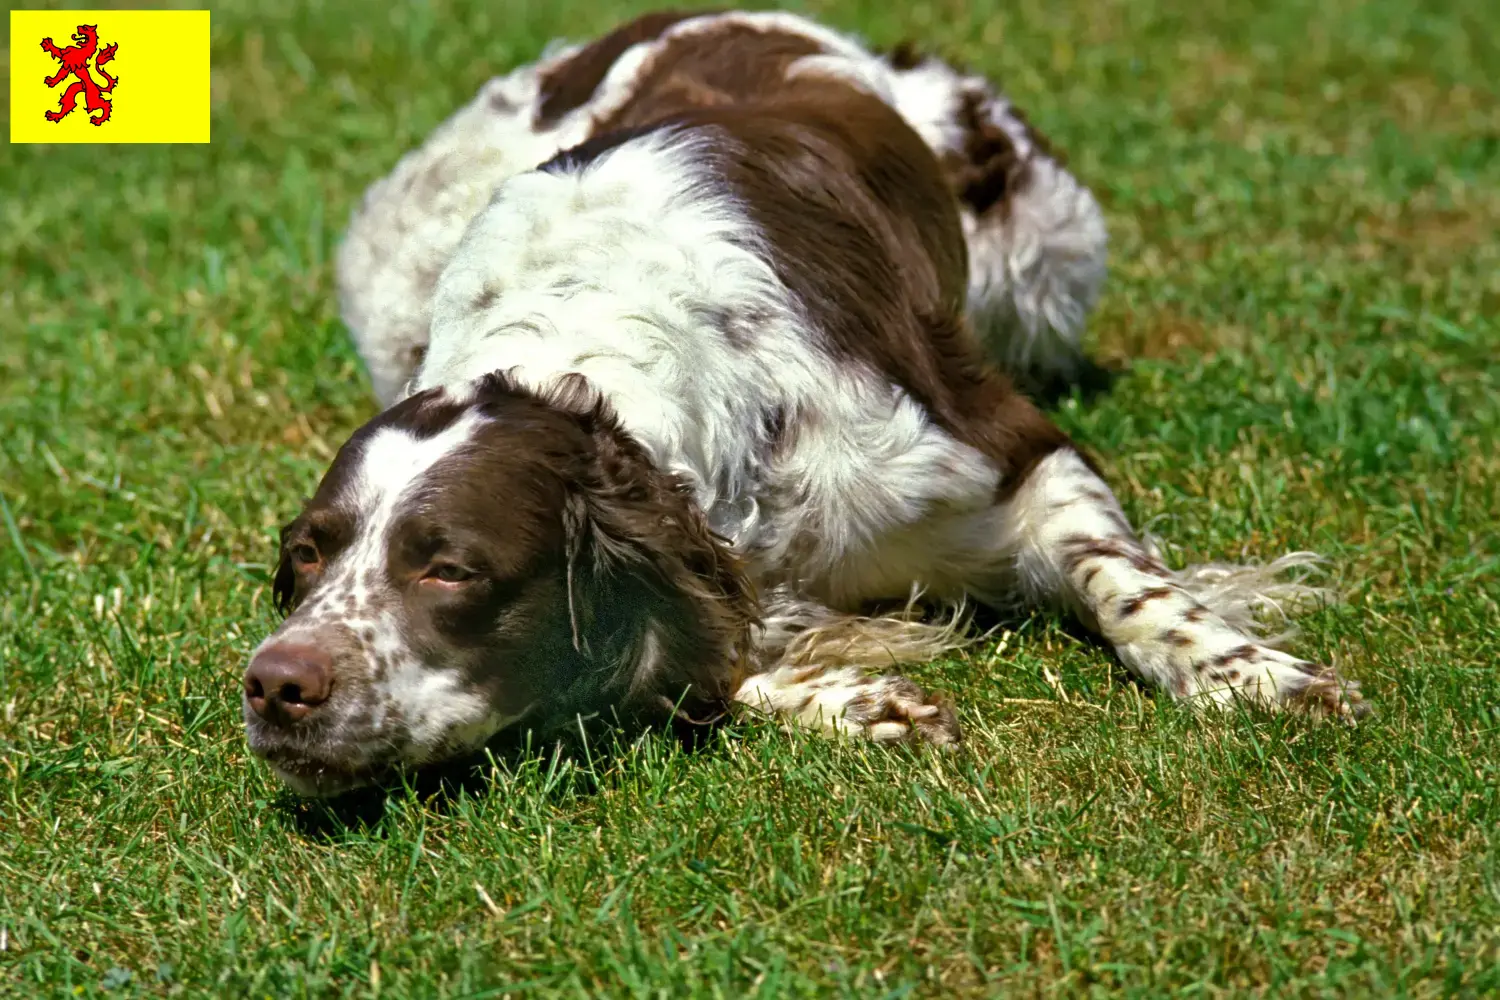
(1305, 213)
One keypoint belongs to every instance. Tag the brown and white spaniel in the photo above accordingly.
(670, 409)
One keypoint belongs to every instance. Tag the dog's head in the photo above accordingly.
(485, 557)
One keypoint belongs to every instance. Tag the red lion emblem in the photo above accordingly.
(75, 62)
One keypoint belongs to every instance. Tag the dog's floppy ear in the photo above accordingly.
(656, 599)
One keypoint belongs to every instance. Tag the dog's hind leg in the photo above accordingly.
(1036, 235)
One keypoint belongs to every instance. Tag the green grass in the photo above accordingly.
(1305, 208)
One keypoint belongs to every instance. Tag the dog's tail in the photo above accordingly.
(1036, 235)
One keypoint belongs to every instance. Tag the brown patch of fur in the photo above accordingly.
(568, 86)
(905, 56)
(730, 65)
(486, 298)
(990, 169)
(1246, 653)
(1133, 605)
(1081, 548)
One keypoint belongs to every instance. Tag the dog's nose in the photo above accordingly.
(287, 682)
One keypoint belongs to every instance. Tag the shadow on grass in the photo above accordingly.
(1089, 379)
(580, 758)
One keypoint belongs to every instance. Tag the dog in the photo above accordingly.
(694, 343)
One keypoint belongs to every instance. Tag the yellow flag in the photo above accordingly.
(109, 76)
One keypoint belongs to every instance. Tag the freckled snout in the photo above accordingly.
(287, 682)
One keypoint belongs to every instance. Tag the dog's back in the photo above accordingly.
(1035, 236)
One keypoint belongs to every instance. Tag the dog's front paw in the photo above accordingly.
(1279, 680)
(885, 708)
(1327, 695)
(895, 710)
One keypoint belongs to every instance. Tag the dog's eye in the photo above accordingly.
(304, 554)
(448, 573)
